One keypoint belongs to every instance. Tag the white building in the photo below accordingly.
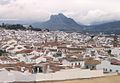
(73, 62)
(108, 67)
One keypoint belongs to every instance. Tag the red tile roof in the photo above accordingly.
(25, 51)
(115, 62)
(35, 57)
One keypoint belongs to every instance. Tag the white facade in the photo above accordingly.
(108, 67)
(68, 74)
(73, 63)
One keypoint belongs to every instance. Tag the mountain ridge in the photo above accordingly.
(60, 22)
(108, 27)
(63, 23)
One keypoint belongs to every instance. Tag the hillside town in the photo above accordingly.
(47, 52)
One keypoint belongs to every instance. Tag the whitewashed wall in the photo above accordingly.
(69, 74)
(107, 65)
(60, 75)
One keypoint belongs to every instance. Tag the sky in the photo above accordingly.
(82, 11)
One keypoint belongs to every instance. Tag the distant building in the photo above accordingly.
(109, 67)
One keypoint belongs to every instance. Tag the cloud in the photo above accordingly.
(5, 2)
(97, 16)
(83, 11)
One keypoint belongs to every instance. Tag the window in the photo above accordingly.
(110, 70)
(75, 63)
(72, 64)
(93, 67)
(40, 69)
(106, 69)
(87, 67)
(117, 71)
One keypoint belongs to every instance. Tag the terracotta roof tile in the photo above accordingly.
(25, 51)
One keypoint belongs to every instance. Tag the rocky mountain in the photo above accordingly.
(59, 22)
(63, 23)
